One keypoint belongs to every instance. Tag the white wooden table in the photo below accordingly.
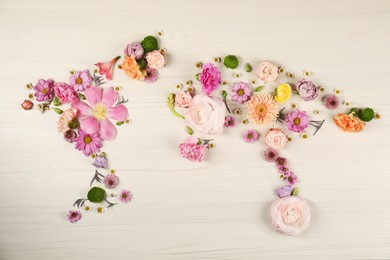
(183, 210)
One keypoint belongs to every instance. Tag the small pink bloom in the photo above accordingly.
(80, 80)
(88, 143)
(271, 155)
(27, 104)
(74, 216)
(267, 72)
(155, 59)
(44, 90)
(70, 136)
(125, 196)
(111, 181)
(183, 99)
(275, 138)
(251, 136)
(65, 93)
(230, 121)
(191, 150)
(106, 68)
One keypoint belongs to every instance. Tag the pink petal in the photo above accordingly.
(118, 113)
(107, 130)
(106, 68)
(109, 96)
(83, 108)
(90, 124)
(93, 95)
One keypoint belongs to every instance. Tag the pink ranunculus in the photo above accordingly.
(65, 93)
(191, 150)
(155, 59)
(106, 68)
(267, 72)
(183, 99)
(95, 117)
(206, 114)
(290, 215)
(275, 138)
(209, 78)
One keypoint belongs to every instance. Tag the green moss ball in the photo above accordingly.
(230, 62)
(142, 63)
(96, 195)
(149, 43)
(366, 114)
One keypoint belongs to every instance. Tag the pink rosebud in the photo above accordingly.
(27, 104)
(106, 68)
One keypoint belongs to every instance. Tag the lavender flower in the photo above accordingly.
(151, 75)
(100, 162)
(284, 191)
(134, 49)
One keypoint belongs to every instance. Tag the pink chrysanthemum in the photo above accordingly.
(44, 90)
(191, 150)
(80, 80)
(241, 92)
(331, 102)
(271, 155)
(88, 143)
(262, 109)
(125, 196)
(297, 121)
(230, 121)
(251, 136)
(70, 136)
(110, 181)
(291, 178)
(281, 161)
(74, 216)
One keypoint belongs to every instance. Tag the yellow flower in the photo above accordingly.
(283, 93)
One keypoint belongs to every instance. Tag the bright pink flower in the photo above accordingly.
(95, 118)
(125, 196)
(65, 93)
(251, 136)
(88, 143)
(230, 121)
(191, 150)
(209, 78)
(74, 216)
(106, 68)
(44, 90)
(80, 80)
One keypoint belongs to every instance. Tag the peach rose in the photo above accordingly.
(131, 68)
(267, 72)
(275, 138)
(206, 114)
(155, 59)
(183, 99)
(290, 215)
(349, 123)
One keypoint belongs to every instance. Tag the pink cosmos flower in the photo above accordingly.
(65, 93)
(251, 136)
(297, 121)
(230, 121)
(74, 216)
(106, 68)
(241, 92)
(95, 118)
(125, 196)
(292, 178)
(88, 143)
(191, 150)
(209, 78)
(80, 80)
(44, 90)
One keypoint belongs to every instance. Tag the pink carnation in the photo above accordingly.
(191, 150)
(209, 78)
(65, 93)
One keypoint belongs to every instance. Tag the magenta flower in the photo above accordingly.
(80, 80)
(297, 121)
(88, 143)
(331, 102)
(284, 191)
(281, 161)
(65, 93)
(284, 170)
(271, 155)
(241, 92)
(134, 49)
(251, 136)
(106, 68)
(125, 196)
(96, 117)
(291, 178)
(70, 136)
(191, 150)
(111, 181)
(230, 121)
(44, 90)
(74, 216)
(151, 75)
(209, 78)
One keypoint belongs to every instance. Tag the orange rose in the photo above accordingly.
(349, 123)
(131, 68)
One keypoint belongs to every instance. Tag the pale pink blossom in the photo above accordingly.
(267, 72)
(183, 99)
(275, 138)
(106, 68)
(191, 150)
(155, 59)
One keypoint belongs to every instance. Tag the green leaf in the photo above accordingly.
(57, 110)
(119, 123)
(81, 96)
(258, 89)
(295, 192)
(57, 102)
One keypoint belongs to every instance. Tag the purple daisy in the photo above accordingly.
(331, 102)
(297, 121)
(251, 136)
(241, 92)
(74, 216)
(271, 155)
(292, 178)
(281, 161)
(111, 181)
(151, 75)
(44, 90)
(230, 121)
(284, 191)
(88, 143)
(80, 80)
(125, 196)
(70, 136)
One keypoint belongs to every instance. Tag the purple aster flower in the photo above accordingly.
(281, 161)
(251, 136)
(291, 178)
(70, 136)
(331, 102)
(111, 181)
(271, 155)
(44, 90)
(297, 121)
(100, 162)
(284, 191)
(241, 92)
(80, 80)
(125, 196)
(88, 143)
(151, 75)
(134, 49)
(74, 216)
(230, 121)
(209, 78)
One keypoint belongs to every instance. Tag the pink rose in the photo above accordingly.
(290, 215)
(191, 150)
(183, 99)
(267, 72)
(65, 93)
(206, 114)
(275, 138)
(155, 59)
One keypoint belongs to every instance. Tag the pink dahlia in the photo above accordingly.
(88, 143)
(106, 68)
(297, 121)
(191, 150)
(65, 93)
(241, 92)
(44, 90)
(80, 80)
(95, 118)
(209, 78)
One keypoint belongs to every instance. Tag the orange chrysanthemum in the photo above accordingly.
(131, 68)
(262, 109)
(349, 123)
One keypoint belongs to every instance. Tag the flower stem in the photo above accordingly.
(170, 103)
(224, 95)
(317, 125)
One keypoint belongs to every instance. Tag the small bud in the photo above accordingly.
(248, 67)
(224, 93)
(258, 89)
(119, 123)
(295, 191)
(197, 76)
(74, 124)
(189, 130)
(81, 96)
(27, 104)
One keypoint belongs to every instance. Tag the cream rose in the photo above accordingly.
(155, 59)
(290, 215)
(183, 99)
(267, 72)
(275, 138)
(206, 114)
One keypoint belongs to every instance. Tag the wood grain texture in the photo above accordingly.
(213, 210)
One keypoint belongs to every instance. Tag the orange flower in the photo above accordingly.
(262, 109)
(349, 123)
(131, 68)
